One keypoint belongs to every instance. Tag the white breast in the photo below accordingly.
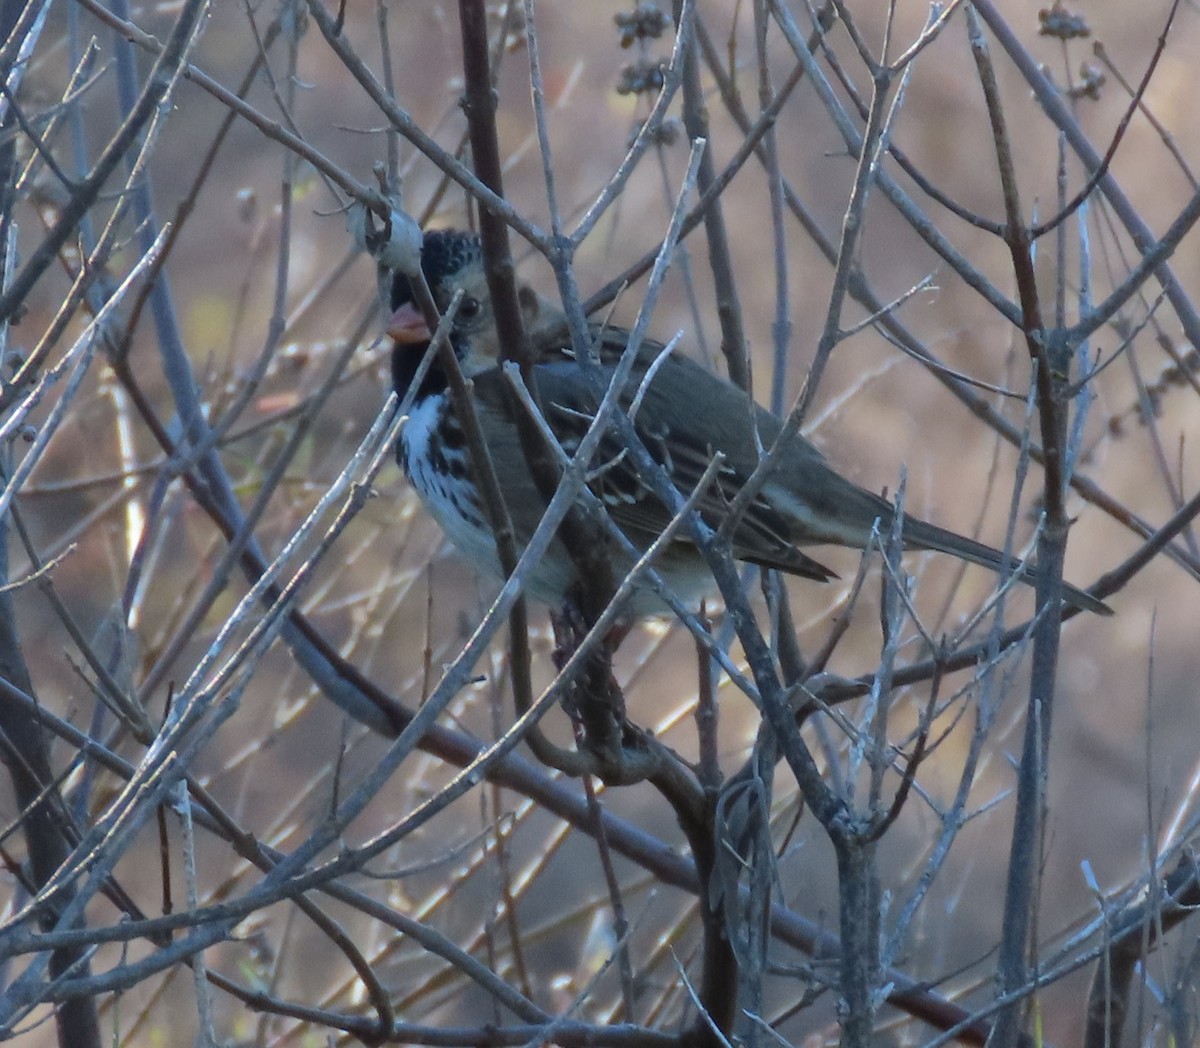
(448, 497)
(451, 501)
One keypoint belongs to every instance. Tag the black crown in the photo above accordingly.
(444, 252)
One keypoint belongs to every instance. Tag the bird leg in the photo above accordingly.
(593, 699)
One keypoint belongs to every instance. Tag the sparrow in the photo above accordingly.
(684, 415)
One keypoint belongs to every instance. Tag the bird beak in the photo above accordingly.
(408, 327)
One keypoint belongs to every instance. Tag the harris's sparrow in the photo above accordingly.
(685, 414)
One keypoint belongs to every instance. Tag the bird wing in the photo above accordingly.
(680, 440)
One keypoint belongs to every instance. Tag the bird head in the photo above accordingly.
(452, 259)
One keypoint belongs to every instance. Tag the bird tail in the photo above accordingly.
(920, 534)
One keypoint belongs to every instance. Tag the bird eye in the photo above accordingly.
(469, 309)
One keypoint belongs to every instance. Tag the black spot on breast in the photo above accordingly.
(436, 453)
(452, 434)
